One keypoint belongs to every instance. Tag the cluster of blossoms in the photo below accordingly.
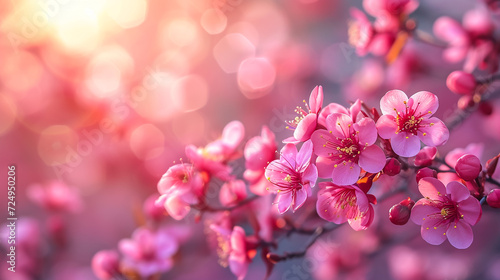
(342, 150)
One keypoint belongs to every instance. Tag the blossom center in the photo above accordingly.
(408, 124)
(301, 115)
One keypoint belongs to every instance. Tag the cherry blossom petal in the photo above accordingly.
(355, 111)
(326, 209)
(345, 174)
(431, 188)
(339, 125)
(284, 201)
(304, 155)
(232, 134)
(372, 159)
(393, 99)
(316, 99)
(305, 128)
(319, 139)
(386, 126)
(420, 212)
(310, 175)
(457, 191)
(405, 144)
(324, 166)
(361, 199)
(177, 208)
(301, 196)
(367, 131)
(471, 209)
(433, 231)
(330, 109)
(289, 154)
(460, 235)
(425, 103)
(362, 223)
(436, 132)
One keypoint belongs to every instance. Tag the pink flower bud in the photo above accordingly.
(426, 172)
(105, 264)
(468, 167)
(486, 108)
(399, 214)
(493, 198)
(232, 192)
(491, 165)
(461, 82)
(425, 157)
(392, 167)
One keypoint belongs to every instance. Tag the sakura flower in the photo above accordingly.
(472, 40)
(346, 147)
(258, 152)
(340, 204)
(446, 212)
(148, 252)
(55, 196)
(305, 123)
(213, 157)
(232, 250)
(105, 264)
(232, 192)
(380, 8)
(360, 32)
(407, 121)
(293, 175)
(180, 187)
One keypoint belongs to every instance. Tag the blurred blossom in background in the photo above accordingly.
(99, 98)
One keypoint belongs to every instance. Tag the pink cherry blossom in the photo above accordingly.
(305, 123)
(55, 196)
(446, 212)
(232, 250)
(472, 40)
(258, 152)
(360, 32)
(340, 204)
(232, 192)
(346, 147)
(180, 187)
(381, 8)
(148, 252)
(292, 176)
(407, 121)
(105, 264)
(214, 156)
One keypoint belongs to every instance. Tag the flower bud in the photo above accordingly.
(399, 214)
(486, 108)
(426, 172)
(491, 165)
(392, 167)
(493, 198)
(468, 167)
(425, 157)
(105, 264)
(461, 82)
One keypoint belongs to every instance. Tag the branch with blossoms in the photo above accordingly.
(333, 161)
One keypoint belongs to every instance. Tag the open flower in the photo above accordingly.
(292, 175)
(232, 249)
(148, 252)
(305, 123)
(258, 152)
(407, 121)
(346, 147)
(340, 204)
(180, 187)
(446, 212)
(213, 157)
